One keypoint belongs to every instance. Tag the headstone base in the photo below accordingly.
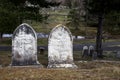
(23, 64)
(38, 65)
(62, 66)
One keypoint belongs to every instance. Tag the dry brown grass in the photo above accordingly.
(29, 73)
(87, 70)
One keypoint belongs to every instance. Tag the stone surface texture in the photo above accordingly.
(60, 48)
(85, 51)
(91, 50)
(24, 46)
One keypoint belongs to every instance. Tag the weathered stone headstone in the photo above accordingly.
(94, 55)
(24, 46)
(91, 50)
(118, 54)
(85, 51)
(60, 48)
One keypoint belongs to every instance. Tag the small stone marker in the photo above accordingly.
(60, 48)
(118, 54)
(91, 50)
(24, 46)
(85, 51)
(94, 55)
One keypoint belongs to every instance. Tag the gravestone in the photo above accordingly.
(94, 55)
(91, 50)
(118, 54)
(85, 51)
(24, 46)
(60, 48)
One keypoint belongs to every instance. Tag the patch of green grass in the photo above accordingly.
(83, 41)
(110, 55)
(5, 58)
(5, 42)
(42, 41)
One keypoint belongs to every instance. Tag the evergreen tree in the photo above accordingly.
(76, 14)
(112, 23)
(8, 17)
(13, 12)
(100, 8)
(74, 19)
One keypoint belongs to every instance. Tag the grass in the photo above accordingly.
(55, 18)
(87, 70)
(5, 57)
(5, 42)
(44, 41)
(103, 73)
(59, 17)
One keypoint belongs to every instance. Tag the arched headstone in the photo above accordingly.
(24, 46)
(91, 50)
(60, 48)
(85, 51)
(118, 54)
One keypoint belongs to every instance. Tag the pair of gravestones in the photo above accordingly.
(89, 52)
(60, 48)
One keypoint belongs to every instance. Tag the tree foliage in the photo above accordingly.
(43, 3)
(76, 15)
(8, 21)
(101, 8)
(74, 18)
(8, 17)
(112, 23)
(68, 3)
(13, 12)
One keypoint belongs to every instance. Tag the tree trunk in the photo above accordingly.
(1, 35)
(99, 37)
(76, 29)
(76, 36)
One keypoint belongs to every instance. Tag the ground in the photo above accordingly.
(87, 69)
